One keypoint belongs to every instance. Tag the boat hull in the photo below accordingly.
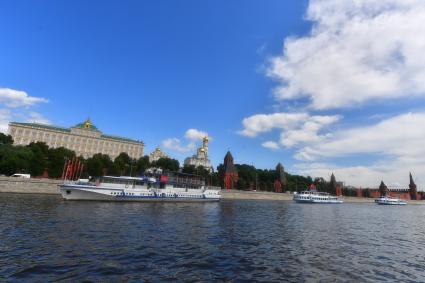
(383, 202)
(319, 201)
(90, 194)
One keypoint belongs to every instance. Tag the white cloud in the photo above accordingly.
(398, 142)
(296, 128)
(195, 135)
(15, 98)
(271, 145)
(357, 51)
(35, 117)
(175, 144)
(192, 136)
(262, 123)
(394, 174)
(402, 136)
(16, 106)
(5, 117)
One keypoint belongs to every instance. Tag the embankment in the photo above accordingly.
(29, 186)
(49, 186)
(235, 194)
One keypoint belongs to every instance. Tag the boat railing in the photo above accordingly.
(213, 188)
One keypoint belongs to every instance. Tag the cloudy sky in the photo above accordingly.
(322, 85)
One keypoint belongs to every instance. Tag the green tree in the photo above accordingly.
(215, 179)
(142, 164)
(247, 176)
(189, 169)
(167, 164)
(56, 160)
(99, 165)
(5, 139)
(14, 159)
(39, 160)
(122, 163)
(321, 184)
(220, 175)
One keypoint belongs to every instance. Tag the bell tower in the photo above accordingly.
(205, 145)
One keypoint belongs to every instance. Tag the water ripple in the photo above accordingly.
(44, 239)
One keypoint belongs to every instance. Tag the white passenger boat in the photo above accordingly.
(163, 188)
(313, 196)
(387, 200)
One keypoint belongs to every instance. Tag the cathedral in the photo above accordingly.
(201, 157)
(156, 155)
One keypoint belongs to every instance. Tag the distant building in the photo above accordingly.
(201, 157)
(157, 154)
(85, 139)
(407, 193)
(412, 188)
(336, 187)
(230, 173)
(280, 183)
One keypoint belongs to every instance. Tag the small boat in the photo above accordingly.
(387, 200)
(164, 187)
(313, 196)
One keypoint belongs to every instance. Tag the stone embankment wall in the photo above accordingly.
(29, 186)
(235, 194)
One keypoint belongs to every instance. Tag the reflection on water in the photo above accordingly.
(43, 238)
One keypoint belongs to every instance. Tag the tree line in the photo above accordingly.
(38, 159)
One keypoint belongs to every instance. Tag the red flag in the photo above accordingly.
(64, 169)
(68, 165)
(77, 169)
(71, 168)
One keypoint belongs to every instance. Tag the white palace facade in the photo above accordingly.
(85, 139)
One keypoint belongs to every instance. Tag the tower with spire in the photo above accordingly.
(412, 188)
(230, 173)
(280, 182)
(336, 187)
(383, 189)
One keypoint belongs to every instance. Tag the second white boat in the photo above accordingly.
(387, 200)
(314, 196)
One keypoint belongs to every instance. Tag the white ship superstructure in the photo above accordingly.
(164, 188)
(387, 200)
(313, 196)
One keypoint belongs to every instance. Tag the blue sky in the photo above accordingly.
(305, 83)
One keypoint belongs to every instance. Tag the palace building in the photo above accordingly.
(85, 139)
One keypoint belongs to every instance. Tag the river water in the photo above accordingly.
(43, 238)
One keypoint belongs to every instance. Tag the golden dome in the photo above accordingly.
(205, 139)
(202, 149)
(87, 124)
